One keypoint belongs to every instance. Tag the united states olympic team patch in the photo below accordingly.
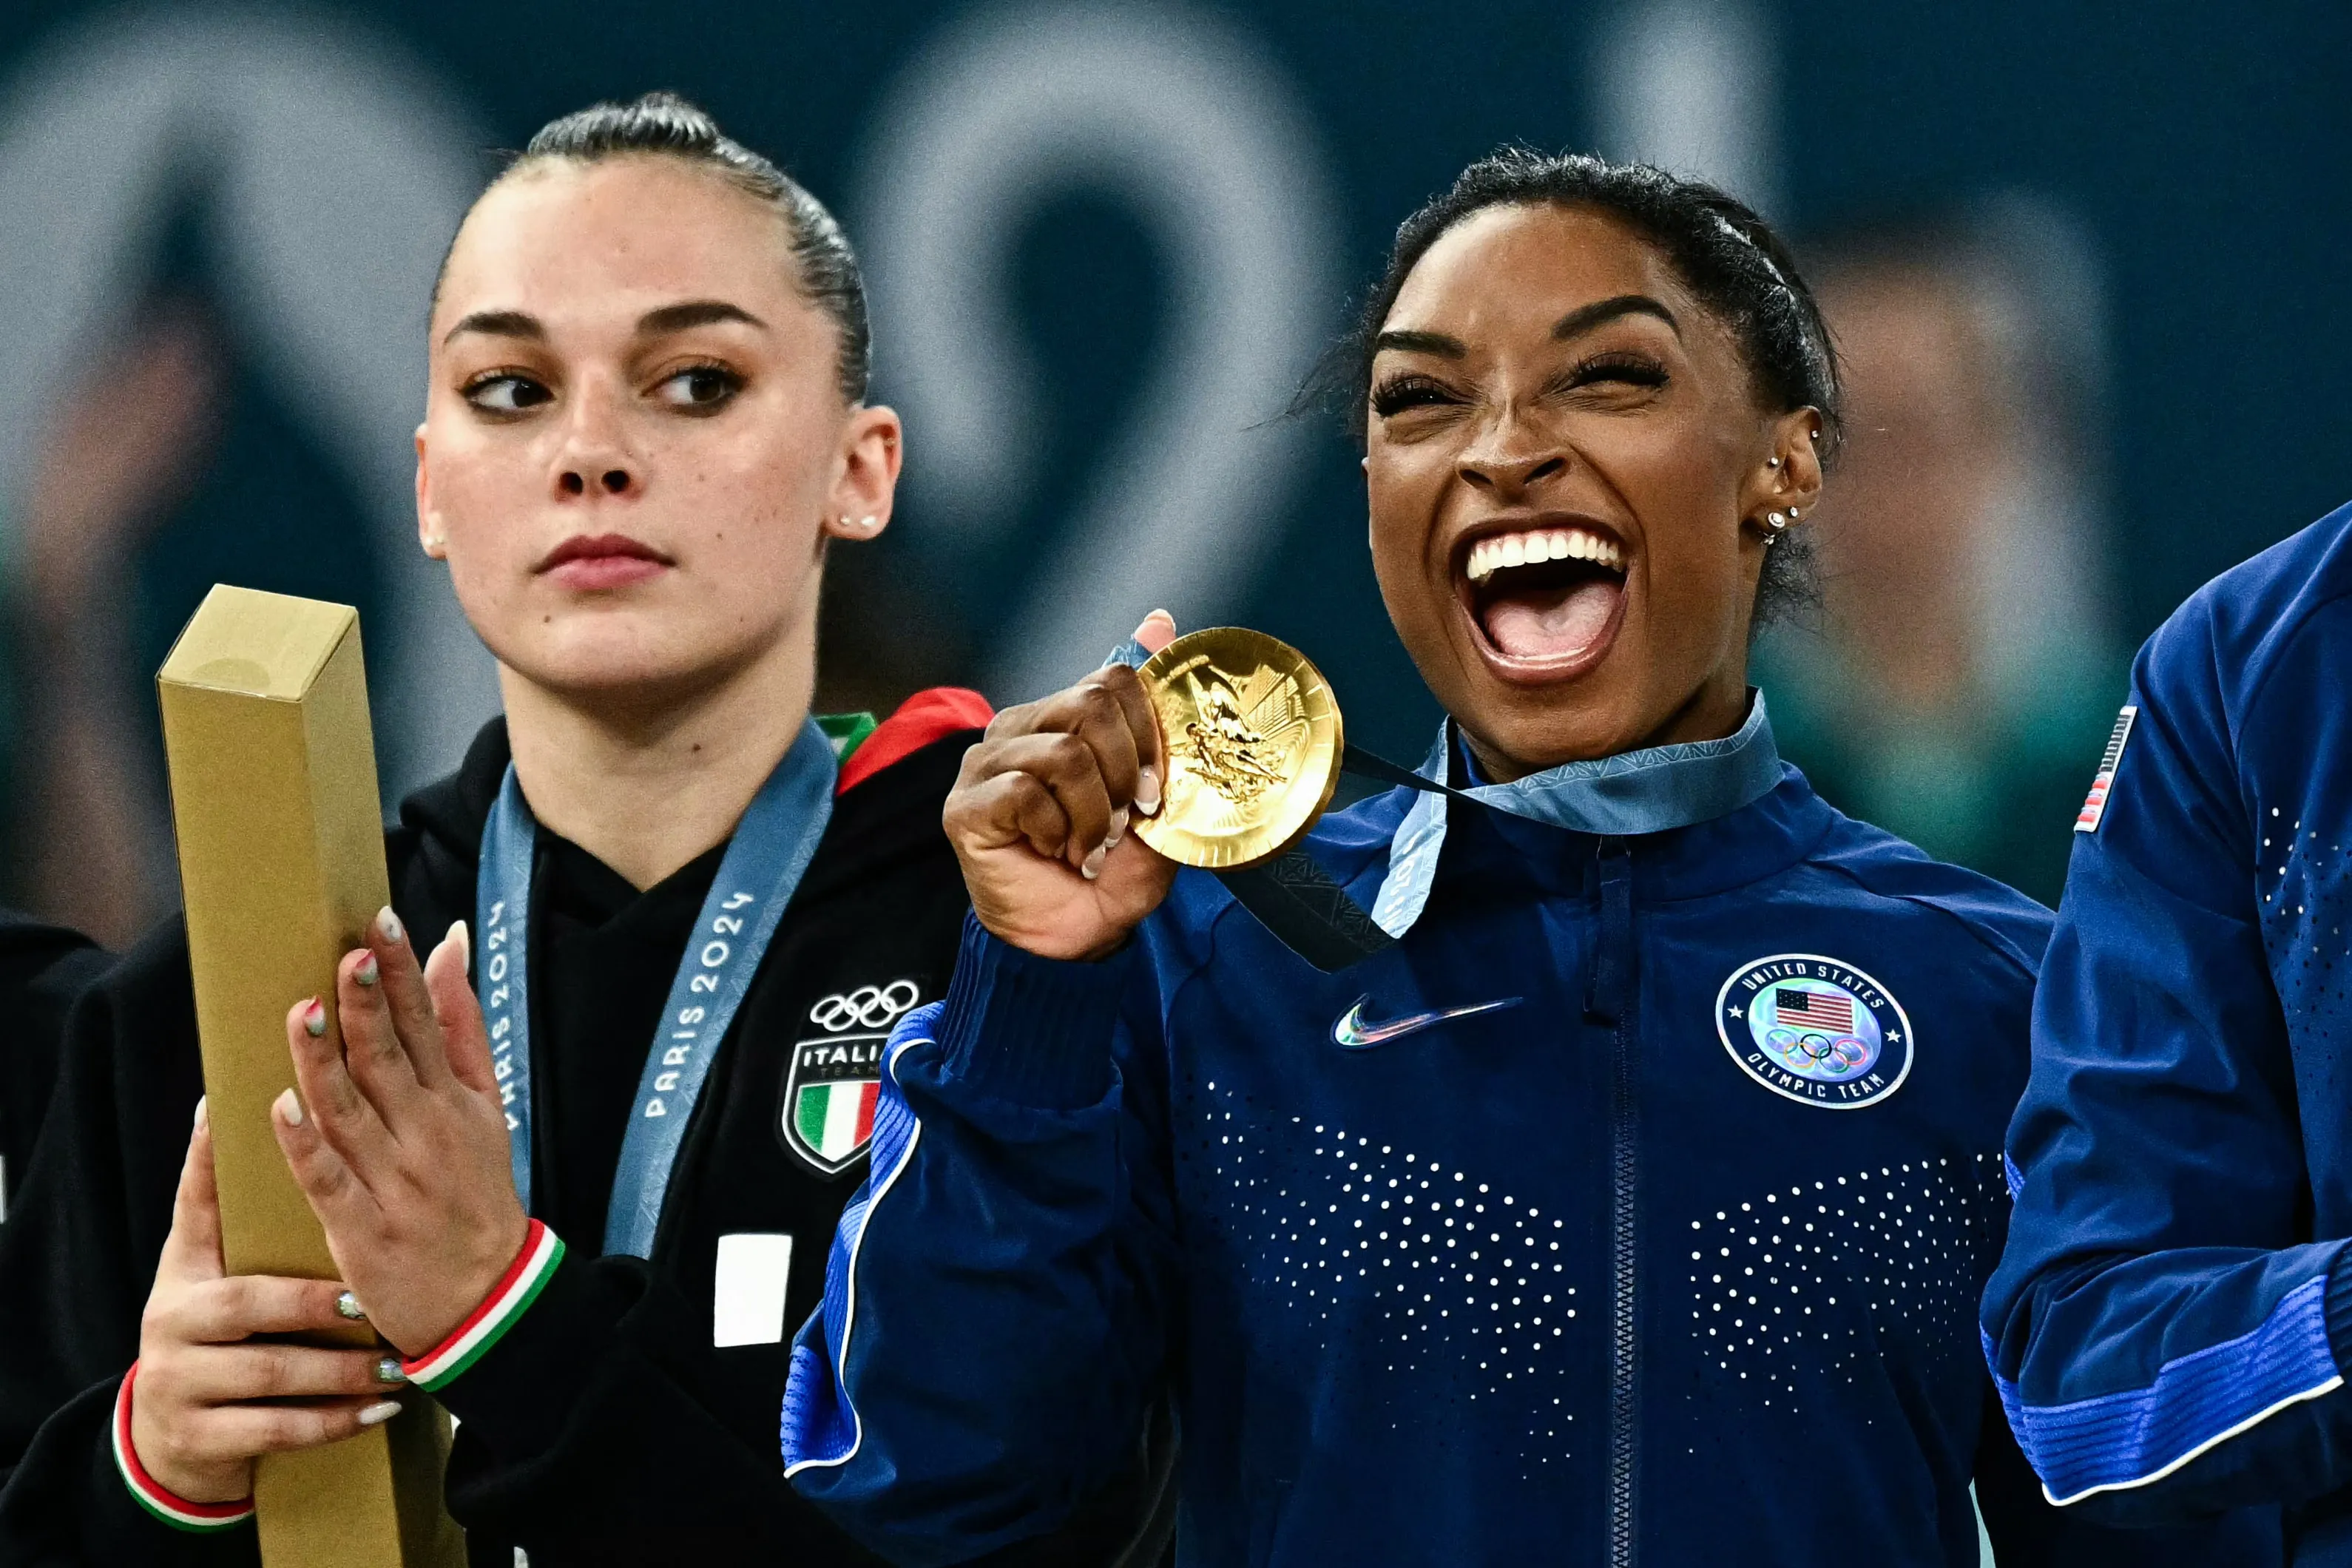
(1814, 1030)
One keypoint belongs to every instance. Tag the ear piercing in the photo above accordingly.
(863, 525)
(1776, 521)
(1771, 462)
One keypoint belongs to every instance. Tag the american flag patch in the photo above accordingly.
(2094, 805)
(1812, 1010)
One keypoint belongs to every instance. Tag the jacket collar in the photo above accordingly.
(1633, 794)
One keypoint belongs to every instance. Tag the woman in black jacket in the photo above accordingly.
(585, 1233)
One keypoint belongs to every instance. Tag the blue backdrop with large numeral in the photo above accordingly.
(1105, 242)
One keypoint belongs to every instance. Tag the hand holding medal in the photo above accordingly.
(1220, 751)
(1039, 815)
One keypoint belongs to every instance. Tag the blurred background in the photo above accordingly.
(2088, 273)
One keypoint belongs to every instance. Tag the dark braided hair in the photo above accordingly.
(1728, 258)
(663, 124)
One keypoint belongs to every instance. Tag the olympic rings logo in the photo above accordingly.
(868, 1007)
(1819, 1056)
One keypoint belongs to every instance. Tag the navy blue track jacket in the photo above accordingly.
(2172, 1318)
(1675, 1258)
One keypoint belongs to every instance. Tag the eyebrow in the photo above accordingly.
(652, 324)
(1413, 342)
(499, 324)
(1576, 323)
(694, 313)
(1584, 319)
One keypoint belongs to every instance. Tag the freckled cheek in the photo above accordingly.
(485, 502)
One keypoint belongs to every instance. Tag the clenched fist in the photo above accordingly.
(1039, 815)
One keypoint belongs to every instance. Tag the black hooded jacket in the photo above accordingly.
(606, 1427)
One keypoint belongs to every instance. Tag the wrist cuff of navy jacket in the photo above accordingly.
(1029, 1030)
(2339, 1310)
(200, 1517)
(497, 1313)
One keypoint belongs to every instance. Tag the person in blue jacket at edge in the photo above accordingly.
(2172, 1317)
(1635, 1204)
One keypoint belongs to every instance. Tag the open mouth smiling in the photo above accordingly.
(1545, 597)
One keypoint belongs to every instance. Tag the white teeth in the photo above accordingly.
(1495, 551)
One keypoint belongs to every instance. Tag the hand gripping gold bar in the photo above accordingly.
(281, 868)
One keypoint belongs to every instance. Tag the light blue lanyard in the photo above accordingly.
(771, 851)
(1626, 796)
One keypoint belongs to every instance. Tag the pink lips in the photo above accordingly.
(588, 562)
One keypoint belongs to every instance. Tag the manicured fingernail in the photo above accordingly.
(381, 1411)
(387, 924)
(289, 1106)
(1091, 866)
(314, 1018)
(201, 1116)
(1117, 828)
(348, 1306)
(1147, 792)
(464, 941)
(387, 1369)
(366, 972)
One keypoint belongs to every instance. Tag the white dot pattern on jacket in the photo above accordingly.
(2305, 884)
(1796, 1284)
(1435, 1259)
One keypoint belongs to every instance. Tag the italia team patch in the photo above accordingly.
(826, 1116)
(1814, 1030)
(2094, 805)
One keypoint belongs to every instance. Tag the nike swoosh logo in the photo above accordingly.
(1352, 1033)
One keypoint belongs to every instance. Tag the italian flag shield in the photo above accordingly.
(825, 1115)
(835, 1120)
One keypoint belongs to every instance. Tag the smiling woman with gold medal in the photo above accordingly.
(1590, 1153)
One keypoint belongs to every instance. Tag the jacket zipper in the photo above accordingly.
(1611, 1000)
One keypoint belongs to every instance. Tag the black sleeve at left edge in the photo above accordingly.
(42, 969)
(77, 1257)
(584, 1425)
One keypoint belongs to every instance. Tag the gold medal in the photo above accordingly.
(1252, 738)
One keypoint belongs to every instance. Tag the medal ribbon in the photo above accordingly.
(1634, 793)
(763, 865)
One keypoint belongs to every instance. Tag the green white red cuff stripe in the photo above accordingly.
(507, 1300)
(152, 1495)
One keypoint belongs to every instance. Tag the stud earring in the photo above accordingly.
(864, 525)
(1771, 462)
(1792, 514)
(1775, 522)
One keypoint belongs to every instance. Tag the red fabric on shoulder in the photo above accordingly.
(925, 717)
